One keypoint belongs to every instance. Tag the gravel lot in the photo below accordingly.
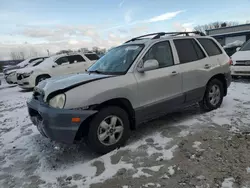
(183, 149)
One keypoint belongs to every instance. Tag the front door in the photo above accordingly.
(159, 90)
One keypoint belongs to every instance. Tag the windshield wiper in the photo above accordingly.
(95, 71)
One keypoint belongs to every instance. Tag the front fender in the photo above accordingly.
(103, 90)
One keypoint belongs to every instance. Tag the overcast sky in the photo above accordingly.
(62, 24)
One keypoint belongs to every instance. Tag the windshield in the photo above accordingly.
(36, 62)
(246, 46)
(118, 60)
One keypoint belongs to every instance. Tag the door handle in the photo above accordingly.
(207, 66)
(174, 73)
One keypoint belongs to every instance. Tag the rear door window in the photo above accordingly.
(246, 46)
(75, 59)
(62, 60)
(92, 57)
(188, 50)
(210, 46)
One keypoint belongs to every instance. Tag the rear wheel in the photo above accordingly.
(108, 129)
(213, 95)
(41, 78)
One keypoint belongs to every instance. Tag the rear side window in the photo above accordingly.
(246, 46)
(188, 50)
(198, 50)
(210, 46)
(75, 59)
(92, 57)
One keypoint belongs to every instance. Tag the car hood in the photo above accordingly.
(66, 82)
(26, 70)
(10, 71)
(10, 68)
(241, 56)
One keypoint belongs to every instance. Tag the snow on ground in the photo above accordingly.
(171, 170)
(27, 159)
(227, 183)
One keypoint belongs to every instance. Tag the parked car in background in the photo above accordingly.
(10, 72)
(132, 83)
(241, 61)
(56, 65)
(231, 48)
(22, 64)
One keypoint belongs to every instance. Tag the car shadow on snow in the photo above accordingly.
(25, 90)
(242, 79)
(7, 86)
(56, 156)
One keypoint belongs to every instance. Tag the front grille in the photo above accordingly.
(19, 76)
(242, 63)
(37, 95)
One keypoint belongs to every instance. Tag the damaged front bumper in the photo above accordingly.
(54, 123)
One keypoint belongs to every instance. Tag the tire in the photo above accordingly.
(41, 78)
(96, 131)
(207, 103)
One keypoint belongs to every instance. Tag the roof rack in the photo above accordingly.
(158, 35)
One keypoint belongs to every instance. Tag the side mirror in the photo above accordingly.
(54, 65)
(148, 65)
(237, 49)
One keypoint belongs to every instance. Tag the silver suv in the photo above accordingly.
(140, 80)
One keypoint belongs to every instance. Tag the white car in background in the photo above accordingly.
(10, 72)
(56, 65)
(241, 61)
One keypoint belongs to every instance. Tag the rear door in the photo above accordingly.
(192, 61)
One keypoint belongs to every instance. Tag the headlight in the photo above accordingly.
(58, 101)
(25, 75)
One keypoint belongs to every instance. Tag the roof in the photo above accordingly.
(70, 53)
(163, 35)
(231, 33)
(229, 30)
(229, 27)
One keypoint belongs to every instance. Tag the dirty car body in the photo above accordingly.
(131, 84)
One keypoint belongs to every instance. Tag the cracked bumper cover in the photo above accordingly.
(56, 123)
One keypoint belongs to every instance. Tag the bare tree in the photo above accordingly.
(33, 53)
(64, 51)
(17, 55)
(214, 25)
(21, 55)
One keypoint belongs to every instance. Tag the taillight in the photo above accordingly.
(230, 62)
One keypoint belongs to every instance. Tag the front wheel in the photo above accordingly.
(108, 130)
(213, 96)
